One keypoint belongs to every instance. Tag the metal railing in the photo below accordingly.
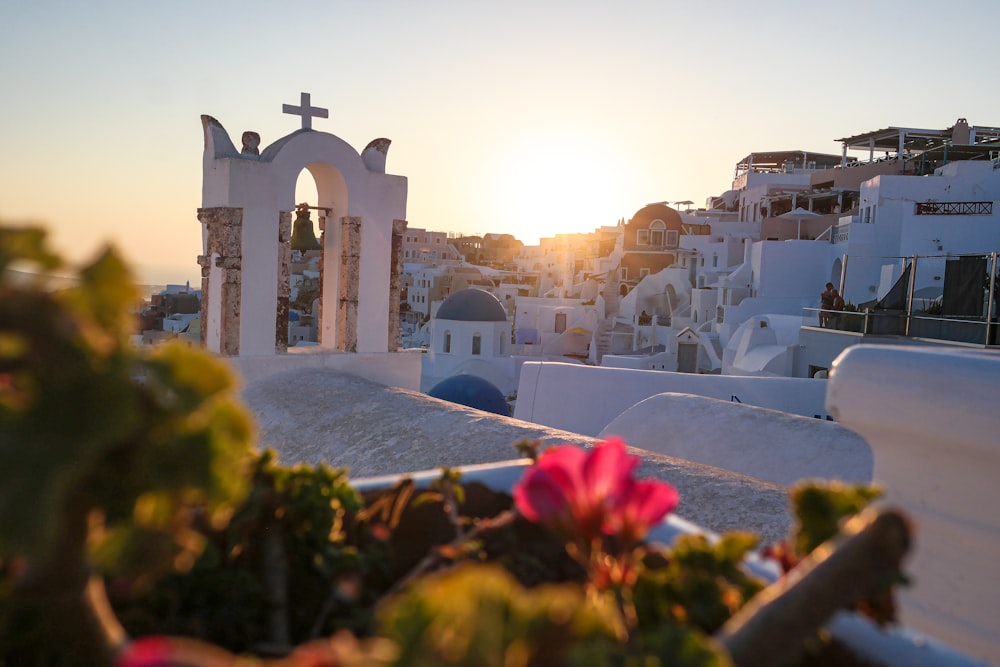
(896, 323)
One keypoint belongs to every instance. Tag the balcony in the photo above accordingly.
(974, 331)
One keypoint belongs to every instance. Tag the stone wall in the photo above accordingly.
(314, 415)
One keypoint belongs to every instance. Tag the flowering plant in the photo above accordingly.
(134, 505)
(560, 573)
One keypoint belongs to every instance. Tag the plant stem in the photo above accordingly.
(772, 628)
(59, 610)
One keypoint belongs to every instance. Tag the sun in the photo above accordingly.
(562, 183)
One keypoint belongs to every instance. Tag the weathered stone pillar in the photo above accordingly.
(395, 270)
(350, 277)
(224, 241)
(318, 315)
(284, 278)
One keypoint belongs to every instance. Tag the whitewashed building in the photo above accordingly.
(470, 334)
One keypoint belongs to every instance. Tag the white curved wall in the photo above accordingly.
(931, 418)
(584, 399)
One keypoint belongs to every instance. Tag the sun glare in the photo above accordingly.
(562, 185)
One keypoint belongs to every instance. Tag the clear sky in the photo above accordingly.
(524, 117)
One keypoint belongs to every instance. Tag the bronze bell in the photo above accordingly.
(303, 236)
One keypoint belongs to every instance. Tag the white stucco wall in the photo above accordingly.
(773, 446)
(493, 364)
(792, 269)
(930, 416)
(763, 345)
(897, 231)
(396, 369)
(586, 398)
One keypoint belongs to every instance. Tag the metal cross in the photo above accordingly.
(305, 111)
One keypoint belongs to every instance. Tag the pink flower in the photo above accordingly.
(154, 651)
(592, 494)
(645, 505)
(146, 652)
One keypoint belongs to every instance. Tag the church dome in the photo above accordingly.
(651, 212)
(471, 391)
(472, 305)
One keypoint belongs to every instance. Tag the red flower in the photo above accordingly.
(147, 652)
(154, 651)
(592, 494)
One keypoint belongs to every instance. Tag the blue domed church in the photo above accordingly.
(470, 335)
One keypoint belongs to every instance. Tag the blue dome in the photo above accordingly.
(472, 391)
(472, 305)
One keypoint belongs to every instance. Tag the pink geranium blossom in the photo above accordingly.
(593, 494)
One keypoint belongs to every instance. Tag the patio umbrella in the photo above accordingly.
(797, 215)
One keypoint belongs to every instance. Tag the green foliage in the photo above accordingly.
(672, 645)
(820, 507)
(26, 246)
(296, 530)
(87, 422)
(698, 583)
(932, 307)
(308, 292)
(479, 615)
(108, 456)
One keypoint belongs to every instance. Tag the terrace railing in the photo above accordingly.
(896, 323)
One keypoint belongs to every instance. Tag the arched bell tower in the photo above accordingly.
(246, 214)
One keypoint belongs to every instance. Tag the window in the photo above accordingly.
(624, 275)
(560, 322)
(446, 347)
(643, 273)
(642, 237)
(672, 238)
(715, 261)
(477, 343)
(656, 229)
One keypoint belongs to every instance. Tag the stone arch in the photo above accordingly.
(248, 200)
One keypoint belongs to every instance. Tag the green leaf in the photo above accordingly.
(820, 507)
(106, 295)
(26, 244)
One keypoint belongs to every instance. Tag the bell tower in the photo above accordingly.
(248, 235)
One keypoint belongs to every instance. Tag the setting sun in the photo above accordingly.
(561, 183)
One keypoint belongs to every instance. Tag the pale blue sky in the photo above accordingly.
(523, 117)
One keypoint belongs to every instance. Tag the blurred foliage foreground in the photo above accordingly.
(135, 510)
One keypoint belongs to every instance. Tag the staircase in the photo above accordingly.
(603, 336)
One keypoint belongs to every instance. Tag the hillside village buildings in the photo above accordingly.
(739, 280)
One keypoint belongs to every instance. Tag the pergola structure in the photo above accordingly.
(785, 161)
(961, 141)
